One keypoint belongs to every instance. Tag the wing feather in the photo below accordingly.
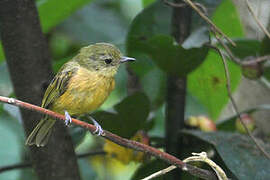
(59, 84)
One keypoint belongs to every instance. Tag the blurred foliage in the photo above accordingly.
(238, 152)
(130, 116)
(142, 29)
(208, 82)
(150, 168)
(126, 155)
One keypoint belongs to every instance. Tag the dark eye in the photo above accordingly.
(108, 61)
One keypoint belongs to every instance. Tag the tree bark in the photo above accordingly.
(176, 88)
(28, 60)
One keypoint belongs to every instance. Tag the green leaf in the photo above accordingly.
(239, 153)
(159, 122)
(155, 90)
(5, 83)
(227, 9)
(149, 39)
(130, 116)
(208, 83)
(53, 12)
(153, 20)
(2, 56)
(265, 46)
(245, 47)
(228, 124)
(147, 2)
(173, 58)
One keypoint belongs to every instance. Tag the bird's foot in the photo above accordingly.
(68, 120)
(99, 131)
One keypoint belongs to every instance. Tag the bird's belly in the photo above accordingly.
(84, 95)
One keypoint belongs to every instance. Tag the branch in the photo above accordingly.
(257, 20)
(195, 8)
(204, 174)
(29, 164)
(197, 157)
(228, 85)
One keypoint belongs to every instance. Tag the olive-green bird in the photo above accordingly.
(81, 86)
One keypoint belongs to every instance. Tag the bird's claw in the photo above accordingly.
(68, 120)
(99, 131)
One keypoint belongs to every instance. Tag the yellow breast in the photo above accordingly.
(86, 91)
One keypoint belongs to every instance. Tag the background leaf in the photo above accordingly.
(171, 57)
(130, 116)
(53, 12)
(239, 154)
(207, 83)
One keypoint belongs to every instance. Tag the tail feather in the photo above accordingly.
(40, 135)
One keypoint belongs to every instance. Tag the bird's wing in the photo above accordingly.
(59, 84)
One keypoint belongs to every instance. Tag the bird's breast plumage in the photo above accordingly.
(86, 91)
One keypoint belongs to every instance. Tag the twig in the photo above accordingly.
(15, 166)
(204, 174)
(179, 5)
(160, 173)
(203, 158)
(196, 157)
(256, 60)
(29, 164)
(228, 85)
(257, 20)
(216, 29)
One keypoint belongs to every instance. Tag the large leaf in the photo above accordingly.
(173, 58)
(53, 12)
(149, 39)
(155, 90)
(130, 116)
(245, 47)
(208, 83)
(239, 154)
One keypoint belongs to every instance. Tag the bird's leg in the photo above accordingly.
(68, 118)
(99, 130)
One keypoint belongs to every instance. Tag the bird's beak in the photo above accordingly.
(126, 59)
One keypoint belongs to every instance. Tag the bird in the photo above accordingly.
(80, 87)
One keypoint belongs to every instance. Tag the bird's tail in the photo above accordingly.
(41, 134)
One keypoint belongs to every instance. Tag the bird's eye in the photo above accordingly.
(108, 61)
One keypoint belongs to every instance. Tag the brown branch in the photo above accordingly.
(257, 20)
(204, 174)
(194, 6)
(228, 85)
(29, 164)
(256, 60)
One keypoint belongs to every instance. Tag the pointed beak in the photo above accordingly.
(126, 59)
